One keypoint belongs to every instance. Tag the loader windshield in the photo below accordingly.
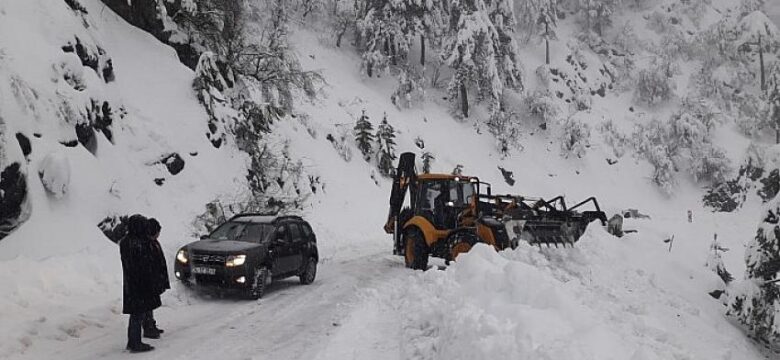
(461, 193)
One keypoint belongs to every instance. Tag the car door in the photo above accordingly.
(280, 250)
(297, 242)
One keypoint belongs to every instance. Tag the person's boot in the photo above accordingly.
(152, 333)
(139, 348)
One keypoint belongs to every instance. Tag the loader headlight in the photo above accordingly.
(235, 260)
(181, 256)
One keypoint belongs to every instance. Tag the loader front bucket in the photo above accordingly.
(544, 223)
(545, 232)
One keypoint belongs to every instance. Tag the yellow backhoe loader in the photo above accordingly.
(448, 214)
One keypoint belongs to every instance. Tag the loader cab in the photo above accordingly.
(441, 198)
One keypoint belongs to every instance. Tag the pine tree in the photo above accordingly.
(363, 136)
(390, 26)
(385, 138)
(758, 297)
(458, 170)
(427, 158)
(528, 17)
(481, 52)
(715, 261)
(758, 33)
(773, 99)
(547, 20)
(598, 13)
(502, 15)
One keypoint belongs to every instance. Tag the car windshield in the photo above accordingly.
(242, 231)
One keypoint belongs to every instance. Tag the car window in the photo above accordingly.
(295, 231)
(306, 230)
(256, 232)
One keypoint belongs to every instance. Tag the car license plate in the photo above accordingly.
(204, 270)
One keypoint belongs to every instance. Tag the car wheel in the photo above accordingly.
(309, 271)
(259, 281)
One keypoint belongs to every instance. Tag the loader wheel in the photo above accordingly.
(461, 243)
(416, 254)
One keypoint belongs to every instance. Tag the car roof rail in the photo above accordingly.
(252, 214)
(289, 217)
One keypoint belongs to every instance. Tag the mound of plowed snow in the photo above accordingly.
(607, 298)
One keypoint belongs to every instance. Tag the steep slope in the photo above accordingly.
(59, 273)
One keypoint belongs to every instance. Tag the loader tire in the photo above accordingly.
(461, 243)
(416, 250)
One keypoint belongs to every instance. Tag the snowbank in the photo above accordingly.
(607, 298)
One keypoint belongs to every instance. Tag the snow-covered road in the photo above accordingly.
(290, 322)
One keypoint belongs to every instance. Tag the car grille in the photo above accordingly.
(208, 259)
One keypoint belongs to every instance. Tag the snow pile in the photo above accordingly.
(607, 298)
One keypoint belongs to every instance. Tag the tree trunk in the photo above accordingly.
(547, 44)
(777, 124)
(761, 61)
(393, 53)
(339, 36)
(422, 50)
(335, 7)
(547, 51)
(464, 100)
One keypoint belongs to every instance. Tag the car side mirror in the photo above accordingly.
(204, 237)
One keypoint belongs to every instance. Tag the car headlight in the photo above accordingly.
(181, 256)
(235, 260)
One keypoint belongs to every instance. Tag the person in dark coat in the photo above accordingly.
(160, 273)
(140, 294)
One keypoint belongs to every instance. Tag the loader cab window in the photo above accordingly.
(431, 197)
(461, 193)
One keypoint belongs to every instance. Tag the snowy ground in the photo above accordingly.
(609, 298)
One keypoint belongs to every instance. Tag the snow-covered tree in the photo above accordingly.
(364, 136)
(749, 6)
(690, 138)
(598, 13)
(651, 140)
(410, 88)
(480, 55)
(548, 21)
(427, 159)
(385, 139)
(758, 35)
(543, 105)
(575, 137)
(655, 85)
(505, 127)
(773, 99)
(538, 18)
(528, 17)
(458, 170)
(390, 27)
(756, 301)
(715, 261)
(501, 13)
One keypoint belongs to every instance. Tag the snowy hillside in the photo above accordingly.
(102, 120)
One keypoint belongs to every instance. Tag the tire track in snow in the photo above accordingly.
(291, 322)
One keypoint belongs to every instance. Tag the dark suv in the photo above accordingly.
(248, 252)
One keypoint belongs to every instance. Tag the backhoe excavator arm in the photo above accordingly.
(405, 177)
